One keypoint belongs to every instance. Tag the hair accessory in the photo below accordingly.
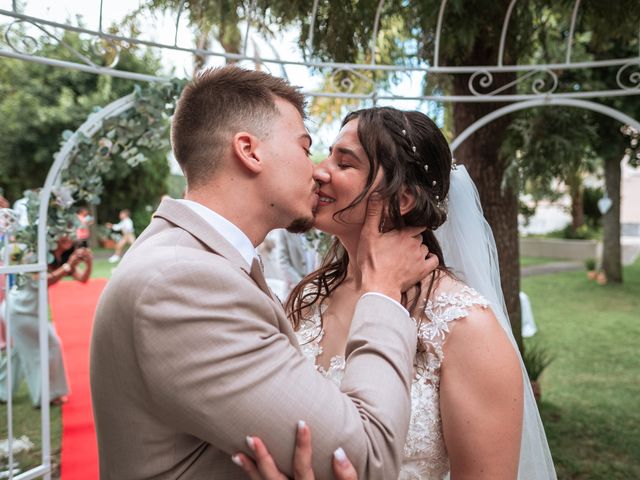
(433, 184)
(404, 133)
(413, 148)
(426, 168)
(437, 197)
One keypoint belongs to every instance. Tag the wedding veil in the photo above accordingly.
(469, 250)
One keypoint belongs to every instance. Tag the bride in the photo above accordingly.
(473, 414)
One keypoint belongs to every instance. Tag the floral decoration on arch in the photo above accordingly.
(131, 135)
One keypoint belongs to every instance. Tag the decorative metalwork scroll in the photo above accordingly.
(23, 35)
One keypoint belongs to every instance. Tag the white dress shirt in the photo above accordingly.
(224, 227)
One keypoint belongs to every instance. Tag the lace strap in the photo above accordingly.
(444, 309)
(439, 313)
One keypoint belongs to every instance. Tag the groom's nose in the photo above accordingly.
(321, 174)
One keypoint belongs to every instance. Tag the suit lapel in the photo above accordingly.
(185, 218)
(258, 276)
(182, 216)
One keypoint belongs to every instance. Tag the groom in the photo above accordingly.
(191, 353)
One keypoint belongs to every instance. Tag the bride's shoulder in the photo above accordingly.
(447, 299)
(452, 299)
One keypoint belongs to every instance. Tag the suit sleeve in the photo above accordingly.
(219, 368)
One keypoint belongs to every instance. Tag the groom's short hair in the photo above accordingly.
(218, 103)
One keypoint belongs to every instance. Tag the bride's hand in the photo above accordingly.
(264, 468)
(390, 261)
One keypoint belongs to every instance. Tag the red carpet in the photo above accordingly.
(72, 307)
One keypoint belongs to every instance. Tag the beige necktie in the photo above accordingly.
(258, 276)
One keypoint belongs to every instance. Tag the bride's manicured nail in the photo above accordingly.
(340, 456)
(237, 460)
(250, 443)
(301, 424)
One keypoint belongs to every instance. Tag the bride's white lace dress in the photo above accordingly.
(425, 455)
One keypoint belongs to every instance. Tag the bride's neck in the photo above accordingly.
(351, 247)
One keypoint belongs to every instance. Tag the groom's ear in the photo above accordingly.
(407, 201)
(245, 150)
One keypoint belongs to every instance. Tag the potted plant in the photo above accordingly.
(590, 264)
(536, 358)
(601, 278)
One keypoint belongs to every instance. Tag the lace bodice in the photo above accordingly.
(425, 455)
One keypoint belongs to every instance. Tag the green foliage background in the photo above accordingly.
(38, 103)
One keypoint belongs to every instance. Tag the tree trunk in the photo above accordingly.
(577, 207)
(230, 37)
(481, 155)
(612, 250)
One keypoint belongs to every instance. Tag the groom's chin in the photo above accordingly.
(301, 225)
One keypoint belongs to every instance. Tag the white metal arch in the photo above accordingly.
(535, 80)
(88, 129)
(567, 102)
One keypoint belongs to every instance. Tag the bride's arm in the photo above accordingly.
(481, 400)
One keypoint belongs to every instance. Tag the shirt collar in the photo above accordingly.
(228, 230)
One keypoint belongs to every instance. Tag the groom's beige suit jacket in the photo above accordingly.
(191, 353)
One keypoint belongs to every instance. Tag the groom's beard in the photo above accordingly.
(300, 225)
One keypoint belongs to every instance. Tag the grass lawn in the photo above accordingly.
(26, 421)
(591, 392)
(102, 268)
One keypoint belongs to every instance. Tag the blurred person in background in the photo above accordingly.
(127, 232)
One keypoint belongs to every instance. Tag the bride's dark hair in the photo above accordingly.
(413, 154)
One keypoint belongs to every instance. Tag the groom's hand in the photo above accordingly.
(390, 262)
(264, 468)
